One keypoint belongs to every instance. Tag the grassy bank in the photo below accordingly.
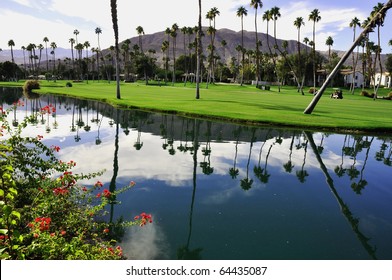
(244, 104)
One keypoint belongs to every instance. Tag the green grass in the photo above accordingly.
(244, 104)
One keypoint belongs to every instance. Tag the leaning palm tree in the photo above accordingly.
(315, 17)
(113, 5)
(369, 28)
(199, 52)
(355, 22)
(241, 12)
(256, 4)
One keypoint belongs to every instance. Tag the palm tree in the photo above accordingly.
(11, 44)
(72, 42)
(46, 40)
(98, 31)
(173, 34)
(315, 17)
(379, 21)
(40, 48)
(214, 12)
(353, 24)
(241, 12)
(76, 33)
(199, 52)
(24, 57)
(53, 46)
(140, 32)
(87, 45)
(164, 48)
(275, 13)
(257, 4)
(113, 5)
(329, 42)
(299, 21)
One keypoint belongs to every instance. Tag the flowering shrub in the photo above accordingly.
(45, 213)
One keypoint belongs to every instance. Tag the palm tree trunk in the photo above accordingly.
(367, 29)
(198, 38)
(113, 4)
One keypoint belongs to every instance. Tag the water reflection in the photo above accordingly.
(224, 191)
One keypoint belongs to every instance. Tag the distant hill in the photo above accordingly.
(232, 38)
(154, 42)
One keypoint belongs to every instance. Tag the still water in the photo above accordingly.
(225, 191)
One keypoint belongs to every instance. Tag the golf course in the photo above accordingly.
(240, 104)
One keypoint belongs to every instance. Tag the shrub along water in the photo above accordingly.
(45, 213)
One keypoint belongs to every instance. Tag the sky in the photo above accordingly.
(29, 21)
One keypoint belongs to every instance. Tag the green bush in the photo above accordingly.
(68, 84)
(366, 94)
(29, 85)
(50, 216)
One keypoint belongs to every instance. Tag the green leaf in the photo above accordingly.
(16, 214)
(7, 210)
(3, 231)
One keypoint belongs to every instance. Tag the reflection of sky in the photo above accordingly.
(281, 209)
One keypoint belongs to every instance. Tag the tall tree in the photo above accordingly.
(315, 17)
(299, 21)
(275, 13)
(53, 46)
(369, 28)
(86, 44)
(241, 12)
(140, 33)
(46, 40)
(379, 21)
(76, 33)
(355, 22)
(11, 44)
(256, 4)
(199, 52)
(98, 31)
(329, 42)
(173, 34)
(113, 5)
(72, 42)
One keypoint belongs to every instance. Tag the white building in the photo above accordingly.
(384, 79)
(349, 78)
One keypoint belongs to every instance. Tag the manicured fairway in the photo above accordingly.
(244, 104)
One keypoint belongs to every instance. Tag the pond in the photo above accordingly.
(226, 191)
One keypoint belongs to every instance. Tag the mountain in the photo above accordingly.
(154, 42)
(232, 38)
(19, 59)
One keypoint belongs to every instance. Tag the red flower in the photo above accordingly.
(55, 148)
(106, 230)
(98, 184)
(63, 232)
(106, 193)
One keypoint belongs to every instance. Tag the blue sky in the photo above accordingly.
(29, 21)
